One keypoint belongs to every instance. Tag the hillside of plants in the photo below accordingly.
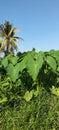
(29, 85)
(29, 91)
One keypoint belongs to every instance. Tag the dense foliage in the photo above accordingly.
(29, 91)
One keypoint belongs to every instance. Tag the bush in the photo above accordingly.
(29, 91)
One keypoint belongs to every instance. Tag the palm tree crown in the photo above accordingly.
(7, 38)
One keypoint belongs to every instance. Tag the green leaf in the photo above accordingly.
(14, 60)
(22, 63)
(5, 62)
(58, 69)
(34, 64)
(55, 91)
(55, 54)
(36, 92)
(51, 62)
(28, 95)
(57, 79)
(5, 84)
(18, 83)
(3, 100)
(13, 71)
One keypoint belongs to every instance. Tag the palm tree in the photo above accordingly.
(8, 40)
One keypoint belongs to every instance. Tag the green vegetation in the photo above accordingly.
(29, 91)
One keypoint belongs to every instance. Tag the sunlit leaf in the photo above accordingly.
(28, 95)
(55, 91)
(55, 54)
(36, 92)
(5, 62)
(13, 72)
(3, 100)
(51, 62)
(33, 65)
(13, 60)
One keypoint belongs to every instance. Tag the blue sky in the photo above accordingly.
(38, 21)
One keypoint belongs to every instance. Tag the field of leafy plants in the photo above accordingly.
(29, 91)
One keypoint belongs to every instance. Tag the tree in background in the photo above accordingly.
(7, 38)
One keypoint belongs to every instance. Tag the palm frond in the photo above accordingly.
(1, 41)
(21, 38)
(14, 45)
(15, 39)
(3, 34)
(5, 42)
(12, 31)
(16, 30)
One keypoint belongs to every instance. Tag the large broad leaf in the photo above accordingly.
(5, 62)
(13, 60)
(58, 69)
(34, 64)
(51, 62)
(22, 64)
(13, 71)
(55, 54)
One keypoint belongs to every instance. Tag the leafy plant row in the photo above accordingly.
(30, 71)
(29, 91)
(32, 61)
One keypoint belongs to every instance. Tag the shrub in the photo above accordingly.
(29, 91)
